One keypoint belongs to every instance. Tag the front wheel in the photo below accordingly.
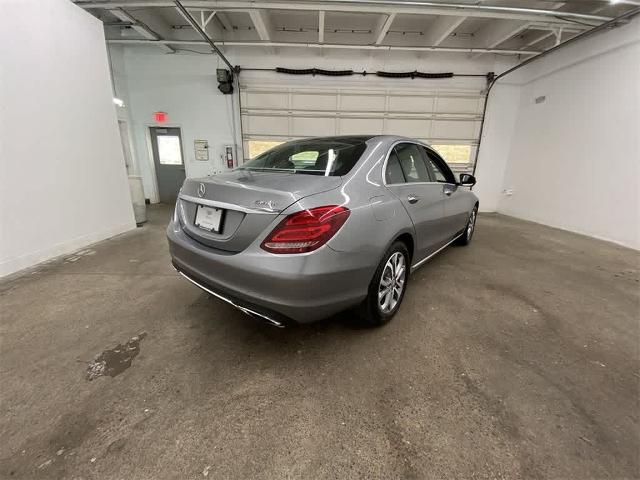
(387, 287)
(465, 238)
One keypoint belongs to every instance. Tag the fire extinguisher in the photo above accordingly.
(228, 154)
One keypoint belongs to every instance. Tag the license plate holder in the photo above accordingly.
(209, 218)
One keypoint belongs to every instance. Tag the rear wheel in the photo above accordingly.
(387, 287)
(465, 238)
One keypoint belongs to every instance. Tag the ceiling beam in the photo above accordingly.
(261, 23)
(224, 21)
(417, 48)
(140, 28)
(574, 29)
(441, 28)
(321, 26)
(204, 21)
(368, 6)
(383, 27)
(494, 34)
(553, 30)
(200, 31)
(538, 39)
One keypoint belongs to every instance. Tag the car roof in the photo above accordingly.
(361, 138)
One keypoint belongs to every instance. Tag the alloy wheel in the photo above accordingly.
(392, 282)
(472, 224)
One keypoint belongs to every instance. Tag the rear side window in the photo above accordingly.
(393, 173)
(412, 163)
(332, 156)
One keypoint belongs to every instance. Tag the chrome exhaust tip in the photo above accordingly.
(245, 310)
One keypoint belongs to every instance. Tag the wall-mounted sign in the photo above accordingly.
(160, 117)
(201, 148)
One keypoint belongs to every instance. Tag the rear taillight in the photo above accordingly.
(306, 231)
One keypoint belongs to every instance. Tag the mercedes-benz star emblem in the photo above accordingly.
(201, 190)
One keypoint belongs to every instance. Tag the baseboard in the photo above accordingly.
(22, 262)
(577, 231)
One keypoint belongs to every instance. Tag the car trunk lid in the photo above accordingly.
(250, 201)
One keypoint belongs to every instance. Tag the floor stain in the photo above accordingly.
(116, 360)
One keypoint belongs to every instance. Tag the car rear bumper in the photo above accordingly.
(277, 288)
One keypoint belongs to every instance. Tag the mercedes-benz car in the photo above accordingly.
(316, 226)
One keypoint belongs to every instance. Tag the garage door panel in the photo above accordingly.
(360, 126)
(313, 127)
(265, 125)
(454, 129)
(265, 100)
(416, 104)
(313, 102)
(408, 128)
(444, 117)
(457, 105)
(361, 103)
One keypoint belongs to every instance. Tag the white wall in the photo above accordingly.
(184, 86)
(572, 161)
(499, 127)
(121, 91)
(62, 183)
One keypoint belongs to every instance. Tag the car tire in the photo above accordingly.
(469, 229)
(380, 307)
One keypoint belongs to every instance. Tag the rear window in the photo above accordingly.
(320, 156)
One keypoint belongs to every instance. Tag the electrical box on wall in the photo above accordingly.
(201, 150)
(225, 81)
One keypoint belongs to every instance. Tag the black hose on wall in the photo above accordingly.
(343, 73)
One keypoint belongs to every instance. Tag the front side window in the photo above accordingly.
(325, 156)
(412, 162)
(436, 168)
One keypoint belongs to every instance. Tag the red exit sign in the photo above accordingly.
(160, 117)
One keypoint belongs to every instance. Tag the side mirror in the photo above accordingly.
(467, 180)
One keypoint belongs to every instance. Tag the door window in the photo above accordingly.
(436, 168)
(169, 152)
(412, 163)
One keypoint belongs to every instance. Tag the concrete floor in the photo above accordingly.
(515, 357)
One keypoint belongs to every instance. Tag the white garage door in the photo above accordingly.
(447, 119)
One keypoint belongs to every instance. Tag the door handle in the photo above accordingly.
(411, 198)
(447, 191)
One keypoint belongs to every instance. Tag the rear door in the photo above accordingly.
(456, 204)
(406, 175)
(166, 144)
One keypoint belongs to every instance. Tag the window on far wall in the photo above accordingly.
(256, 147)
(454, 153)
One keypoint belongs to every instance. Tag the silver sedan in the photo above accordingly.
(315, 226)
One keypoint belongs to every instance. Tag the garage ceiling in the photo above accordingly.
(470, 27)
